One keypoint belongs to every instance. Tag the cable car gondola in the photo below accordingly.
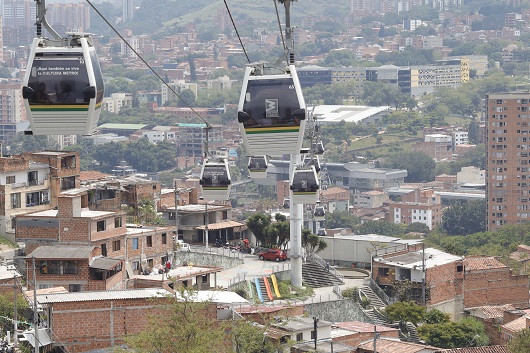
(63, 86)
(312, 161)
(257, 166)
(271, 112)
(318, 148)
(320, 213)
(305, 185)
(215, 179)
(286, 203)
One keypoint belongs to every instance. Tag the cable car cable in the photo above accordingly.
(237, 32)
(145, 62)
(280, 25)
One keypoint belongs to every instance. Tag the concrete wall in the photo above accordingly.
(453, 307)
(203, 259)
(337, 311)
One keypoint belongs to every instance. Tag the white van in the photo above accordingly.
(185, 247)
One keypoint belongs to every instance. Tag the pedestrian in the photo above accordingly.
(168, 266)
(327, 266)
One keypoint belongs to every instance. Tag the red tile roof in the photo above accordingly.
(482, 263)
(495, 311)
(516, 325)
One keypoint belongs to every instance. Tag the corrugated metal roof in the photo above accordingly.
(102, 295)
(122, 126)
(104, 263)
(62, 252)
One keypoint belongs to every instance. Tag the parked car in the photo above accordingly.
(185, 247)
(273, 254)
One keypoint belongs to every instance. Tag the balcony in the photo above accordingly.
(27, 184)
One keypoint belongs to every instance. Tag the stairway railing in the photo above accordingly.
(379, 292)
(324, 264)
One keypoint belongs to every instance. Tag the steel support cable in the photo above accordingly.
(279, 24)
(145, 62)
(237, 32)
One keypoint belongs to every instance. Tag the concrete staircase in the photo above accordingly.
(314, 276)
(408, 333)
(375, 301)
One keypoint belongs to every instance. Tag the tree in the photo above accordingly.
(258, 224)
(417, 227)
(381, 228)
(521, 342)
(187, 98)
(464, 333)
(464, 218)
(406, 311)
(420, 167)
(251, 338)
(186, 326)
(341, 219)
(435, 316)
(312, 243)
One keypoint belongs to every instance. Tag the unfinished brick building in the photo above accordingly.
(487, 281)
(104, 231)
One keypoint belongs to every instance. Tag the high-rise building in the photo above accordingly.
(507, 158)
(69, 17)
(128, 10)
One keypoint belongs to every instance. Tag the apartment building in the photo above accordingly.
(369, 199)
(418, 206)
(507, 158)
(68, 17)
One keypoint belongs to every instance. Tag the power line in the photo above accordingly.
(145, 62)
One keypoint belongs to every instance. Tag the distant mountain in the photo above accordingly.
(166, 15)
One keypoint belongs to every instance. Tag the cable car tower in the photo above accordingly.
(63, 86)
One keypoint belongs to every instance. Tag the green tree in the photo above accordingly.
(187, 98)
(406, 311)
(521, 342)
(435, 316)
(464, 333)
(341, 219)
(312, 243)
(381, 228)
(186, 326)
(420, 167)
(417, 227)
(464, 218)
(258, 224)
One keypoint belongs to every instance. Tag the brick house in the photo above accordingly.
(403, 270)
(487, 281)
(81, 322)
(522, 256)
(64, 170)
(104, 231)
(510, 329)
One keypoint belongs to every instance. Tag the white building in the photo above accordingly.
(116, 101)
(179, 86)
(460, 138)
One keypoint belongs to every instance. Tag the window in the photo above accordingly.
(74, 288)
(15, 200)
(135, 243)
(135, 265)
(13, 223)
(204, 279)
(116, 245)
(32, 199)
(101, 226)
(69, 267)
(299, 337)
(117, 222)
(164, 238)
(383, 271)
(103, 249)
(68, 183)
(10, 179)
(149, 242)
(33, 178)
(150, 263)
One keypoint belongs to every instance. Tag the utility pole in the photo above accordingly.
(177, 197)
(206, 225)
(315, 322)
(35, 309)
(15, 318)
(423, 299)
(375, 338)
